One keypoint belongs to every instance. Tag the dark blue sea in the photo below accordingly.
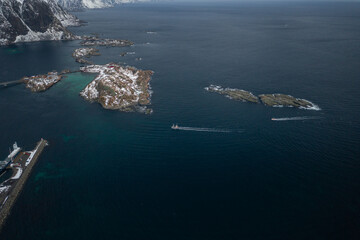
(115, 175)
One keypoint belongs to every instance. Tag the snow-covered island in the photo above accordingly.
(96, 41)
(41, 83)
(80, 53)
(119, 88)
(272, 100)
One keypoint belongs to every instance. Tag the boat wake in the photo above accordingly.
(214, 130)
(295, 118)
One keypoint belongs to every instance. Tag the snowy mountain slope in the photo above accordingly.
(33, 20)
(91, 4)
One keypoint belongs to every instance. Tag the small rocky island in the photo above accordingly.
(233, 93)
(40, 83)
(96, 41)
(272, 100)
(282, 100)
(119, 88)
(80, 53)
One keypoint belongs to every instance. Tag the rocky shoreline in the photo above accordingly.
(115, 87)
(96, 41)
(282, 100)
(40, 83)
(233, 93)
(80, 53)
(272, 100)
(119, 88)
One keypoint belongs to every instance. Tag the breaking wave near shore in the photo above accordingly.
(296, 118)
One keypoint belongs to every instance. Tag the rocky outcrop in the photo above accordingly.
(34, 20)
(40, 83)
(119, 88)
(80, 53)
(233, 93)
(272, 100)
(282, 100)
(96, 41)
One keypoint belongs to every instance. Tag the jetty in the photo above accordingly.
(25, 80)
(21, 167)
(5, 84)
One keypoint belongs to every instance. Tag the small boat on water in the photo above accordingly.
(175, 127)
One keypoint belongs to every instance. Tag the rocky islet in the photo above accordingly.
(272, 100)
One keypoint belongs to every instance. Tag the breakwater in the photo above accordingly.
(14, 185)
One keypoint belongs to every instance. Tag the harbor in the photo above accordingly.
(20, 163)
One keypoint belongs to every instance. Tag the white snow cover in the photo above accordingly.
(91, 4)
(4, 188)
(42, 82)
(50, 34)
(18, 173)
(121, 82)
(82, 52)
(96, 4)
(11, 10)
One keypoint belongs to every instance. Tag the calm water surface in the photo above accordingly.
(114, 175)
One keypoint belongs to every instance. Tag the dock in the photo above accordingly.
(11, 188)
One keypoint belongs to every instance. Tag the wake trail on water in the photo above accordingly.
(295, 118)
(215, 130)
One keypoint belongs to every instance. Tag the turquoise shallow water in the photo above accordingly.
(114, 175)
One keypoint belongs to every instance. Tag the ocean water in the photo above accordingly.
(114, 175)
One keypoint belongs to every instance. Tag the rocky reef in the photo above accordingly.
(96, 41)
(119, 88)
(282, 100)
(272, 100)
(233, 93)
(40, 83)
(80, 53)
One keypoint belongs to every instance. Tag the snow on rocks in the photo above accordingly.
(41, 83)
(117, 87)
(35, 20)
(80, 53)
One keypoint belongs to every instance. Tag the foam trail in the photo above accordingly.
(205, 129)
(295, 118)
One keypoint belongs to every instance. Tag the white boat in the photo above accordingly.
(175, 127)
